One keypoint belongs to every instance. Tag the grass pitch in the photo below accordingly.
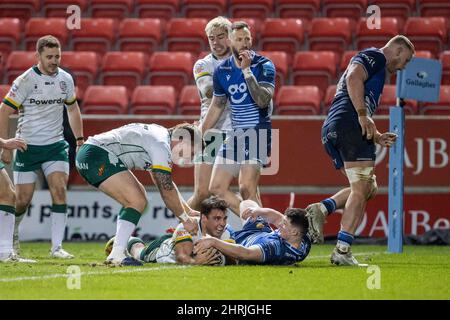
(421, 272)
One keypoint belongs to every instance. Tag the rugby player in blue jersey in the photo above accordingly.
(257, 243)
(247, 81)
(349, 135)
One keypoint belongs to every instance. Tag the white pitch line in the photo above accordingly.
(355, 254)
(91, 273)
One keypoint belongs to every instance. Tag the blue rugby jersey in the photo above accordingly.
(229, 81)
(276, 250)
(374, 62)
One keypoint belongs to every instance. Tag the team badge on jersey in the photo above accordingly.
(63, 86)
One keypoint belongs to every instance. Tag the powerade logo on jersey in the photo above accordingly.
(46, 102)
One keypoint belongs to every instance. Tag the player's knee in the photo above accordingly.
(7, 195)
(139, 204)
(22, 202)
(363, 181)
(217, 190)
(59, 193)
(373, 188)
(202, 193)
(246, 191)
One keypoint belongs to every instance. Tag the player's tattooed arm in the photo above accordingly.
(163, 181)
(261, 93)
(215, 110)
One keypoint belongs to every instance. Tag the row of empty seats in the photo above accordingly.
(259, 9)
(289, 35)
(318, 68)
(290, 100)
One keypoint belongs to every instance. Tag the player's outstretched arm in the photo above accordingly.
(270, 215)
(171, 198)
(215, 110)
(234, 251)
(76, 124)
(5, 112)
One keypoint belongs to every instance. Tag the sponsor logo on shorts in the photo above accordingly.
(20, 164)
(82, 165)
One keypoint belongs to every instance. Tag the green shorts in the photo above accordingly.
(96, 165)
(2, 165)
(33, 158)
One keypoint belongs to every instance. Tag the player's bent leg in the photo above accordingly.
(221, 178)
(129, 192)
(360, 176)
(318, 212)
(248, 181)
(202, 177)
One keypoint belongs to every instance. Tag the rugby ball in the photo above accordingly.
(246, 204)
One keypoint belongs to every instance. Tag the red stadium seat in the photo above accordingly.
(140, 35)
(22, 9)
(115, 9)
(171, 68)
(282, 35)
(366, 37)
(298, 100)
(83, 64)
(351, 9)
(445, 59)
(153, 100)
(207, 9)
(105, 100)
(187, 35)
(427, 33)
(280, 60)
(257, 9)
(401, 9)
(389, 99)
(345, 60)
(434, 8)
(314, 68)
(439, 108)
(79, 93)
(424, 54)
(303, 9)
(117, 69)
(10, 29)
(17, 63)
(4, 89)
(94, 35)
(203, 54)
(332, 34)
(162, 9)
(58, 8)
(190, 101)
(39, 27)
(329, 96)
